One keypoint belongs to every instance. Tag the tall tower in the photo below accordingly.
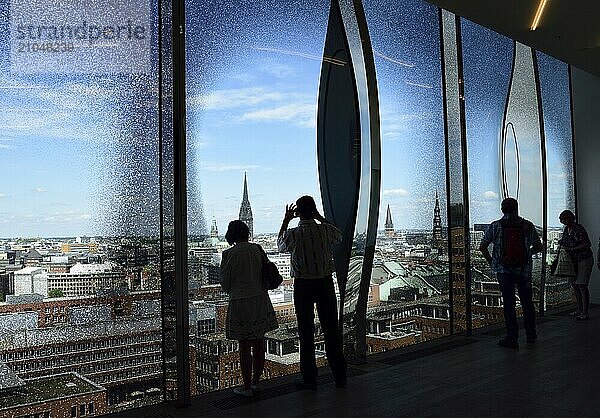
(246, 210)
(438, 241)
(458, 266)
(389, 225)
(214, 231)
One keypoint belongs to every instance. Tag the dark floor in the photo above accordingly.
(559, 376)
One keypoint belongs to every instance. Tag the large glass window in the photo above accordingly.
(556, 106)
(409, 281)
(487, 60)
(79, 202)
(253, 72)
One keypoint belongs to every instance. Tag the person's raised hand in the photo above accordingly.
(290, 212)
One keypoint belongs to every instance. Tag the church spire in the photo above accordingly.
(438, 241)
(389, 224)
(245, 195)
(246, 209)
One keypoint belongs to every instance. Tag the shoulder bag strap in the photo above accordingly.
(263, 254)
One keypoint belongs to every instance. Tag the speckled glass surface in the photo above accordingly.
(487, 59)
(457, 228)
(80, 197)
(523, 171)
(410, 271)
(354, 294)
(556, 105)
(498, 105)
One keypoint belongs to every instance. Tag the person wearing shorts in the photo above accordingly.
(576, 242)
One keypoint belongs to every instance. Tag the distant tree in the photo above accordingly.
(55, 293)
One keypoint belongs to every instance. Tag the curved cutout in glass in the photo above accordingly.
(556, 105)
(339, 140)
(520, 156)
(510, 163)
(355, 296)
(408, 282)
(522, 120)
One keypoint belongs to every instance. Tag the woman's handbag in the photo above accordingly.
(270, 275)
(563, 265)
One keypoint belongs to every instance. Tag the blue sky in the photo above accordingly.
(79, 152)
(257, 113)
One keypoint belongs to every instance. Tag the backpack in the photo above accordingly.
(514, 253)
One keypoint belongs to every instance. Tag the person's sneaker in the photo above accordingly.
(341, 383)
(531, 340)
(240, 391)
(301, 383)
(583, 318)
(575, 313)
(505, 342)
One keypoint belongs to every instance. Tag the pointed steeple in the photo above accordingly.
(436, 210)
(246, 209)
(438, 241)
(245, 195)
(389, 224)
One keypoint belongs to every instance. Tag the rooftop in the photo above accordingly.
(70, 333)
(9, 379)
(48, 388)
(29, 270)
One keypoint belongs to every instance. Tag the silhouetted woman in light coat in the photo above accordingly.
(250, 313)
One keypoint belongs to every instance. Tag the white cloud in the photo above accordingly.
(40, 190)
(2, 195)
(396, 125)
(302, 114)
(490, 195)
(228, 167)
(281, 71)
(86, 216)
(9, 84)
(395, 192)
(232, 98)
(561, 175)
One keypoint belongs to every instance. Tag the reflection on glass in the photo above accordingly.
(80, 282)
(556, 105)
(455, 137)
(356, 292)
(487, 61)
(253, 71)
